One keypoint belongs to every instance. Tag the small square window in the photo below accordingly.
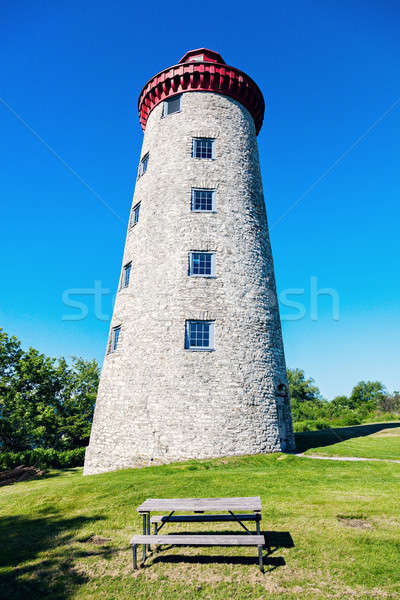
(202, 264)
(203, 148)
(199, 335)
(172, 105)
(203, 200)
(126, 275)
(114, 338)
(143, 164)
(135, 214)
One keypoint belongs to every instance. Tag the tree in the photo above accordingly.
(390, 402)
(300, 388)
(306, 400)
(367, 394)
(43, 402)
(340, 405)
(78, 405)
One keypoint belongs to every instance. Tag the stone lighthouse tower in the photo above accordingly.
(195, 366)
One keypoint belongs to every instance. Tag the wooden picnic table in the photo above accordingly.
(252, 503)
(232, 507)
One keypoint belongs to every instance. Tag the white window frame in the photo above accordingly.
(166, 102)
(213, 263)
(212, 140)
(128, 265)
(211, 336)
(143, 162)
(115, 339)
(213, 200)
(133, 222)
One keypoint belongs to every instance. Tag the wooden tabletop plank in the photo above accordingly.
(202, 540)
(204, 518)
(192, 504)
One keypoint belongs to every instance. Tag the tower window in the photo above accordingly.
(135, 214)
(202, 264)
(172, 105)
(115, 332)
(203, 148)
(197, 58)
(203, 200)
(143, 164)
(199, 335)
(126, 274)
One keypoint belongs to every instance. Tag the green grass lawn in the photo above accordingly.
(378, 440)
(335, 531)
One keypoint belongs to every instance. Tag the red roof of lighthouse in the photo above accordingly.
(202, 55)
(202, 70)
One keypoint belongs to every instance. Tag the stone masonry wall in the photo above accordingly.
(156, 400)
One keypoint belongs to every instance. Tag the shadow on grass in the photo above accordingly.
(28, 575)
(327, 437)
(11, 477)
(275, 540)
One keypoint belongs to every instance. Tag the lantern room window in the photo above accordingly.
(203, 148)
(197, 58)
(172, 105)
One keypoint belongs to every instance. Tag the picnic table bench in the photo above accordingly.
(228, 506)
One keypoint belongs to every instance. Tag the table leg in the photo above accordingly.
(148, 529)
(144, 533)
(134, 556)
(260, 559)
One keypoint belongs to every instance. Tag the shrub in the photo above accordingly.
(346, 420)
(42, 458)
(321, 424)
(318, 424)
(301, 426)
(381, 417)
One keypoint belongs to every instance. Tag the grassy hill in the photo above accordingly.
(334, 528)
(376, 440)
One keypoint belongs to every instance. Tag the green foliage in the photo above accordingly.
(301, 426)
(382, 417)
(368, 401)
(300, 388)
(42, 458)
(346, 419)
(77, 408)
(318, 424)
(339, 405)
(44, 403)
(306, 401)
(389, 403)
(367, 392)
(321, 424)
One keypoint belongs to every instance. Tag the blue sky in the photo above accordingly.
(329, 150)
